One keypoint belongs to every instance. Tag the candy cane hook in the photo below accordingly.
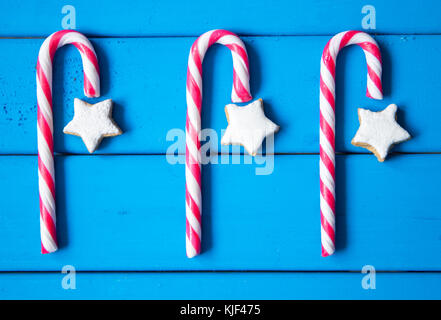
(327, 121)
(240, 93)
(46, 171)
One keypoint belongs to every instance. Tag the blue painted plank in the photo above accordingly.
(128, 213)
(220, 286)
(146, 79)
(146, 18)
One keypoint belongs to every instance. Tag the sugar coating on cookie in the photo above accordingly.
(379, 131)
(92, 122)
(247, 126)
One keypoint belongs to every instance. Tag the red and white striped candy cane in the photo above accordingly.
(240, 93)
(327, 120)
(46, 172)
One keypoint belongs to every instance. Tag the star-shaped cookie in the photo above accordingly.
(92, 122)
(379, 131)
(247, 126)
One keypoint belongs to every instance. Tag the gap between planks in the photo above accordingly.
(65, 154)
(220, 271)
(246, 35)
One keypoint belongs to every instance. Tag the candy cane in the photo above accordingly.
(240, 93)
(46, 172)
(327, 121)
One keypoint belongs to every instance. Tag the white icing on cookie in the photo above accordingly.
(379, 131)
(92, 122)
(248, 126)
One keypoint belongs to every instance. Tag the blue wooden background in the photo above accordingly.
(121, 212)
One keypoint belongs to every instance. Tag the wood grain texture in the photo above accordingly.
(146, 79)
(177, 18)
(212, 285)
(122, 212)
(127, 213)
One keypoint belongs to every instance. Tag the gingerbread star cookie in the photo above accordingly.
(247, 126)
(92, 123)
(379, 131)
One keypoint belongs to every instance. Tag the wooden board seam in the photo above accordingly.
(245, 35)
(216, 271)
